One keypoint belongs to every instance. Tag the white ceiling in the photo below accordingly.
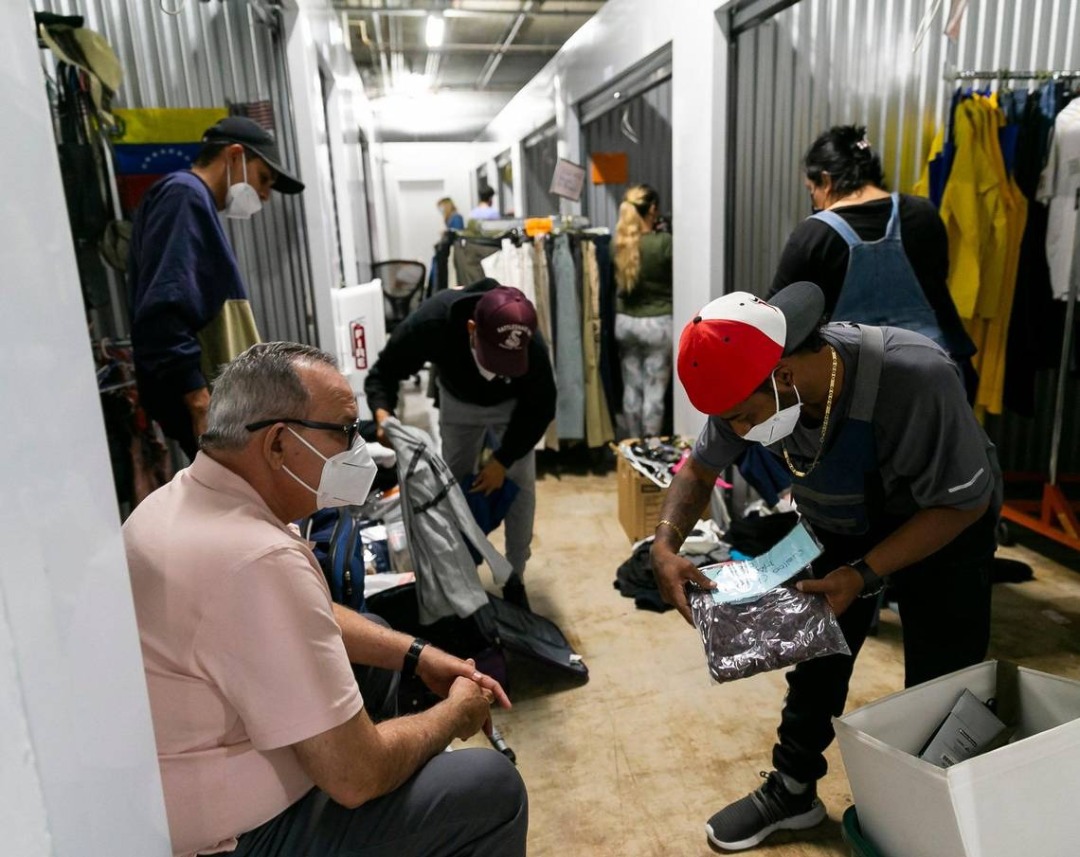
(491, 49)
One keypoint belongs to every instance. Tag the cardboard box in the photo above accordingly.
(1016, 801)
(639, 501)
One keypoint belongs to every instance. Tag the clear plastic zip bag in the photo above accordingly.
(779, 629)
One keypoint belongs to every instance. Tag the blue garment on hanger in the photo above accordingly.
(940, 168)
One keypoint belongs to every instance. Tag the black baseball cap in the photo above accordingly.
(256, 139)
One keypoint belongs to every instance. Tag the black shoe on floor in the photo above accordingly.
(772, 807)
(514, 592)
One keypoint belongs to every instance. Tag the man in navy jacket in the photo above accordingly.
(190, 312)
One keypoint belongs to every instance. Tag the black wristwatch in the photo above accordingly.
(412, 658)
(872, 584)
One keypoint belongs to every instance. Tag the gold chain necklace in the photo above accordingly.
(801, 474)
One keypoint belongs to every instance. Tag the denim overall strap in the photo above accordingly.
(880, 287)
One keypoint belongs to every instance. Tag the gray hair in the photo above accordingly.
(260, 384)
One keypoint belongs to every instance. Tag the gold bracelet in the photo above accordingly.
(673, 526)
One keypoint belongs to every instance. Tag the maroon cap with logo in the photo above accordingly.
(505, 324)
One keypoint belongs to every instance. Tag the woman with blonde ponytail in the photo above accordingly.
(643, 310)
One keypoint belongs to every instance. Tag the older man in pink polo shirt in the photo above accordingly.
(263, 738)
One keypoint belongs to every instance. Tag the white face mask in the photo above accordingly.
(346, 477)
(241, 200)
(780, 424)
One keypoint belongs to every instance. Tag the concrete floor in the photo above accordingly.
(633, 762)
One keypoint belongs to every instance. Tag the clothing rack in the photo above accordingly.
(1054, 516)
(1006, 74)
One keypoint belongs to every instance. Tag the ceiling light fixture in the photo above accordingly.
(435, 32)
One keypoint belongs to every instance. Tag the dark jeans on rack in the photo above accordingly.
(944, 604)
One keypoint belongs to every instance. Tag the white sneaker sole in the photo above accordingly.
(811, 818)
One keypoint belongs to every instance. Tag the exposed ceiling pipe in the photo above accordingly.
(474, 48)
(417, 10)
(492, 64)
(384, 68)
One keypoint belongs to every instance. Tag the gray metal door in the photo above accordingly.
(639, 127)
(816, 63)
(539, 157)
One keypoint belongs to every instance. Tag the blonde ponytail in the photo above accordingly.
(628, 247)
(637, 202)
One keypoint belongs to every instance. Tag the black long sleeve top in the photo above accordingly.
(438, 333)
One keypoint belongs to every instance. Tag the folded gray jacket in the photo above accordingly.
(440, 526)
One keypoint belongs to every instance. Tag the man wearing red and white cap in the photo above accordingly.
(495, 378)
(890, 468)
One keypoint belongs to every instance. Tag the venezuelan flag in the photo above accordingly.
(152, 141)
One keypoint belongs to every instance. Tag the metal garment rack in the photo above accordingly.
(1054, 516)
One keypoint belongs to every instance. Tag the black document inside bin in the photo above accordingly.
(1026, 702)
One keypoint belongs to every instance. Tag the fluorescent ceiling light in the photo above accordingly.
(410, 84)
(435, 31)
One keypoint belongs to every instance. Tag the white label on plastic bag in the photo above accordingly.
(746, 580)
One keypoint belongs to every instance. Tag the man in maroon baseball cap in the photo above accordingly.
(503, 325)
(495, 381)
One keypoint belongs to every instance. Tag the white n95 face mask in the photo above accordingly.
(241, 200)
(780, 424)
(346, 477)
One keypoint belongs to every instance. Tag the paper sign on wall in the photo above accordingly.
(568, 180)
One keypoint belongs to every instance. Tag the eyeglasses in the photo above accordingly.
(351, 429)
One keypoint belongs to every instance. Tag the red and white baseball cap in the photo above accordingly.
(730, 347)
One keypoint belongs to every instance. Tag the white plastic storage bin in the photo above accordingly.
(1016, 801)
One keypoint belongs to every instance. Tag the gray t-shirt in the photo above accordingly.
(931, 450)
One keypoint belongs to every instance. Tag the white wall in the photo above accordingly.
(415, 176)
(78, 769)
(622, 34)
(329, 151)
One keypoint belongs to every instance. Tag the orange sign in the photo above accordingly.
(610, 168)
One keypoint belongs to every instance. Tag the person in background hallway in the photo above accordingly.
(880, 258)
(889, 466)
(494, 377)
(485, 210)
(450, 215)
(267, 747)
(643, 310)
(190, 313)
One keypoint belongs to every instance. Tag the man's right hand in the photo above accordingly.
(198, 405)
(473, 705)
(672, 573)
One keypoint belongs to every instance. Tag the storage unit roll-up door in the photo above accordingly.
(631, 118)
(819, 63)
(539, 157)
(505, 170)
(211, 55)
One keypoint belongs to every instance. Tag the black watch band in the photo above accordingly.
(872, 584)
(412, 658)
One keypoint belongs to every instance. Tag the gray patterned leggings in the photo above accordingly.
(645, 355)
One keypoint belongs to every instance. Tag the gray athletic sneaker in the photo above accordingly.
(750, 819)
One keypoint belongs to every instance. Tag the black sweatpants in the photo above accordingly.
(944, 604)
